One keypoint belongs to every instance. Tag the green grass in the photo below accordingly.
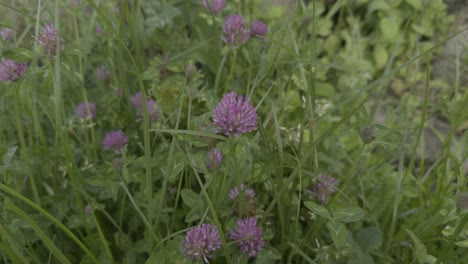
(327, 71)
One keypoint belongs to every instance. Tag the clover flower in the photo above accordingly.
(7, 34)
(201, 241)
(151, 107)
(234, 115)
(324, 189)
(115, 140)
(12, 71)
(48, 39)
(99, 30)
(86, 110)
(235, 31)
(258, 29)
(102, 73)
(249, 193)
(213, 158)
(214, 5)
(248, 236)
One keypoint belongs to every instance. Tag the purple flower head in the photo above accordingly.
(12, 71)
(102, 73)
(213, 158)
(259, 30)
(234, 115)
(201, 241)
(214, 5)
(324, 189)
(249, 193)
(86, 110)
(151, 107)
(7, 34)
(115, 140)
(235, 31)
(248, 236)
(99, 30)
(48, 39)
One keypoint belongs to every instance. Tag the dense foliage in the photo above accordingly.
(186, 131)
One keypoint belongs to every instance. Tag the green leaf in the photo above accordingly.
(369, 238)
(191, 199)
(19, 55)
(338, 233)
(390, 29)
(347, 215)
(415, 3)
(361, 258)
(164, 16)
(463, 243)
(420, 250)
(318, 209)
(378, 5)
(380, 56)
(8, 156)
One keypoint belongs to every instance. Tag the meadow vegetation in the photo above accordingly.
(230, 131)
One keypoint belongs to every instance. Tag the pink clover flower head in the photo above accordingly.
(235, 31)
(118, 92)
(115, 140)
(86, 110)
(12, 71)
(248, 236)
(102, 73)
(214, 5)
(234, 115)
(151, 107)
(259, 30)
(48, 39)
(249, 193)
(213, 158)
(7, 34)
(201, 241)
(324, 189)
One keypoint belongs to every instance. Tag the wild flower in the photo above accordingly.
(151, 107)
(201, 241)
(7, 34)
(258, 29)
(99, 30)
(102, 73)
(213, 158)
(48, 39)
(115, 140)
(12, 71)
(86, 110)
(324, 189)
(234, 115)
(248, 236)
(214, 5)
(234, 29)
(249, 193)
